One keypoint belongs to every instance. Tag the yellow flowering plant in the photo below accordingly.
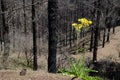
(85, 22)
(82, 23)
(77, 26)
(77, 69)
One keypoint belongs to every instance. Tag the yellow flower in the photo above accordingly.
(74, 24)
(90, 22)
(79, 20)
(84, 20)
(80, 26)
(83, 23)
(77, 26)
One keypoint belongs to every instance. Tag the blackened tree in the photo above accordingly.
(5, 34)
(96, 31)
(35, 65)
(52, 44)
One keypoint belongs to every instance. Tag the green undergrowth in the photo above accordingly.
(79, 70)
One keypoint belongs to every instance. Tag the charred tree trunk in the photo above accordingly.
(35, 65)
(5, 36)
(70, 37)
(91, 41)
(103, 44)
(13, 23)
(1, 37)
(74, 35)
(99, 34)
(96, 32)
(25, 32)
(24, 13)
(108, 34)
(66, 36)
(108, 24)
(95, 44)
(52, 25)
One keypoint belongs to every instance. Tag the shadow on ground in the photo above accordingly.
(107, 70)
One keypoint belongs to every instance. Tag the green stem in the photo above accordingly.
(77, 44)
(84, 41)
(77, 51)
(84, 44)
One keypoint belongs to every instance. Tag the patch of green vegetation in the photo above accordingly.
(79, 70)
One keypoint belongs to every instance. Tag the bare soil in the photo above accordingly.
(31, 75)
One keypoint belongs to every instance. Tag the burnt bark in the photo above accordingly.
(91, 40)
(108, 35)
(24, 14)
(5, 35)
(103, 44)
(96, 32)
(95, 44)
(35, 65)
(113, 29)
(108, 24)
(52, 26)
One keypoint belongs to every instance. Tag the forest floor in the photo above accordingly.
(111, 51)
